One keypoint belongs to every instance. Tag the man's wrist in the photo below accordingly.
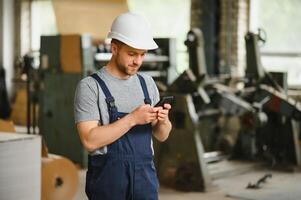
(131, 120)
(164, 122)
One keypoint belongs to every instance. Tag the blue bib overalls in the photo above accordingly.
(127, 171)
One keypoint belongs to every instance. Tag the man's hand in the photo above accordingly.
(163, 113)
(162, 126)
(94, 136)
(144, 114)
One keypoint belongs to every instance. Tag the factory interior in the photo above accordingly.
(232, 66)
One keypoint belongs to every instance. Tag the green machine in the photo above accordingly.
(56, 93)
(56, 120)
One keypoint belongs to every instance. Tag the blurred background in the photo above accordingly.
(233, 66)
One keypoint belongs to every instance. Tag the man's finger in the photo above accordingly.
(167, 106)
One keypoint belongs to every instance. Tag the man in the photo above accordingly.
(116, 119)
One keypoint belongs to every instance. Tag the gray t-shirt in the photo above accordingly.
(128, 95)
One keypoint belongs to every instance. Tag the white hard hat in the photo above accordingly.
(133, 30)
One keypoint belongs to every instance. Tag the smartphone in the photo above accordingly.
(165, 99)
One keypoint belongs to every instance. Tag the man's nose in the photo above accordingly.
(138, 60)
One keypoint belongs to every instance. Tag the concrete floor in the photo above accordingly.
(282, 186)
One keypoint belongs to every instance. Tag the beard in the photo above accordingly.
(126, 69)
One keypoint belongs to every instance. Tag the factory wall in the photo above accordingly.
(94, 17)
(232, 18)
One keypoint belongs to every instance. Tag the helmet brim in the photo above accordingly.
(149, 45)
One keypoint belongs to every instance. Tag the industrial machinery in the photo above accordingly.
(64, 60)
(196, 138)
(180, 162)
(276, 141)
(267, 127)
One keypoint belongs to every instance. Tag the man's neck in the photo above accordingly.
(113, 70)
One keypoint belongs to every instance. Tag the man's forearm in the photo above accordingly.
(103, 135)
(162, 129)
(94, 137)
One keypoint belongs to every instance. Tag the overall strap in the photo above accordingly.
(147, 100)
(109, 98)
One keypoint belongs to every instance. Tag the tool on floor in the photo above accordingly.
(260, 181)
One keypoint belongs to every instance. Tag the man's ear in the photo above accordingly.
(114, 48)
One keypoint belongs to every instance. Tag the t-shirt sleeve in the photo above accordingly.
(85, 102)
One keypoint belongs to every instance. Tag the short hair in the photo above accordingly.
(117, 42)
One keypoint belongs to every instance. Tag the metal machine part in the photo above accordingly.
(195, 44)
(276, 139)
(254, 66)
(199, 103)
(188, 83)
(195, 131)
(266, 116)
(180, 160)
(255, 72)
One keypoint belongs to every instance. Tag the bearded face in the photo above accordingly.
(128, 60)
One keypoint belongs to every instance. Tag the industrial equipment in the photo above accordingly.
(56, 121)
(180, 162)
(267, 116)
(277, 140)
(196, 139)
(64, 60)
